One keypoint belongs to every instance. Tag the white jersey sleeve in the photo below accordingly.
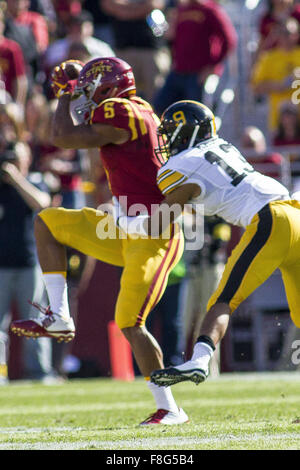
(230, 187)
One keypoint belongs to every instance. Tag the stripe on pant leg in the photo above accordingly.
(241, 266)
(159, 278)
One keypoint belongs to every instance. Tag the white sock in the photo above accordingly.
(57, 290)
(202, 354)
(163, 397)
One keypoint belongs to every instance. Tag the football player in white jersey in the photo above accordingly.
(203, 168)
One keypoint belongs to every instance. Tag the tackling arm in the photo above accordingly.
(169, 211)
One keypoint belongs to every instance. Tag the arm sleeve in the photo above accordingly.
(169, 179)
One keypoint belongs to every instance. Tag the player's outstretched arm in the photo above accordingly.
(168, 211)
(171, 208)
(66, 135)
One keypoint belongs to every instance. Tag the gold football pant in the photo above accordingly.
(271, 241)
(147, 262)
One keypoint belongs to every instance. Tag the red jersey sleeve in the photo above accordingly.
(118, 112)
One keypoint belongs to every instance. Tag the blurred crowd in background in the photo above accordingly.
(240, 57)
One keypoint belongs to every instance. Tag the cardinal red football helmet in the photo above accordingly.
(105, 78)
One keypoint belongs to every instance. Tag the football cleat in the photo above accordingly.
(49, 325)
(166, 417)
(173, 375)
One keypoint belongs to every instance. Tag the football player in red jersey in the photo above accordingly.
(124, 127)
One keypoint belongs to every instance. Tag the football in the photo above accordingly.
(73, 69)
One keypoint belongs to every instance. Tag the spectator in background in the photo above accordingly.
(278, 12)
(67, 167)
(44, 8)
(255, 150)
(203, 38)
(23, 35)
(79, 29)
(65, 10)
(21, 195)
(34, 21)
(11, 126)
(288, 130)
(287, 135)
(273, 73)
(138, 40)
(47, 10)
(102, 22)
(12, 67)
(78, 51)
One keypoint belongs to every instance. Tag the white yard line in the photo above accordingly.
(157, 443)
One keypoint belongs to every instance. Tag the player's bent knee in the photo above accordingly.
(125, 321)
(131, 332)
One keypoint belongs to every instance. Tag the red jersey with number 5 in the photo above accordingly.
(131, 167)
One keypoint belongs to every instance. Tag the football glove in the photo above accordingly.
(118, 210)
(132, 225)
(64, 77)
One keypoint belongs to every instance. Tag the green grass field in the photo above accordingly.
(239, 411)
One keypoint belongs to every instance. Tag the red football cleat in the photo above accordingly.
(49, 325)
(166, 417)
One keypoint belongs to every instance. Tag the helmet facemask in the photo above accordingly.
(184, 124)
(176, 139)
(105, 78)
(91, 92)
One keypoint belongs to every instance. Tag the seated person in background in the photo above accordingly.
(274, 72)
(288, 135)
(255, 150)
(288, 130)
(277, 12)
(80, 29)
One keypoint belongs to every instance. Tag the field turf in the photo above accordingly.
(237, 411)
